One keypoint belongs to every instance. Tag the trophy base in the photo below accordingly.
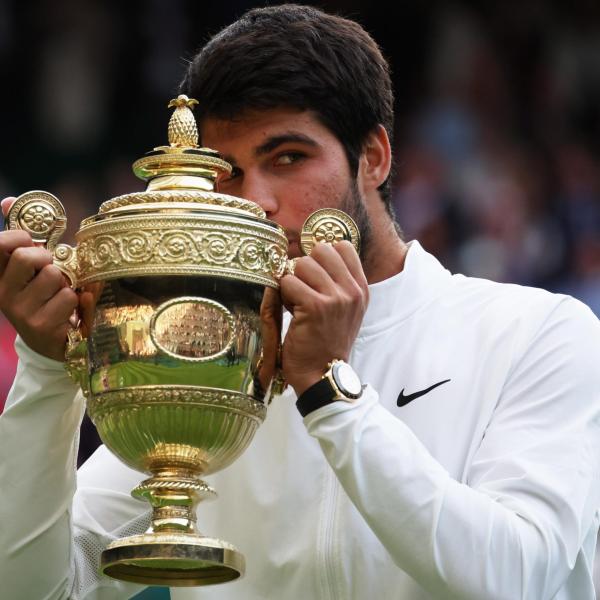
(172, 559)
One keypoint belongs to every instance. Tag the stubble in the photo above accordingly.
(354, 205)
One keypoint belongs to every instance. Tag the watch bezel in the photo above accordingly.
(337, 377)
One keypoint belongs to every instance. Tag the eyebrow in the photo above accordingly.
(277, 140)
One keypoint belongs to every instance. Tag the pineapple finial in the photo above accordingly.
(182, 126)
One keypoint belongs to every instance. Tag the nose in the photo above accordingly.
(257, 189)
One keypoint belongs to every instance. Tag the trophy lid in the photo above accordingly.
(181, 172)
(180, 225)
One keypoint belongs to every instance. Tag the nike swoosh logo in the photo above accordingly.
(404, 400)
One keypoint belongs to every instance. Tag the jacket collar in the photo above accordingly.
(421, 281)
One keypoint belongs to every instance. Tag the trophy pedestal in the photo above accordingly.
(172, 552)
(172, 559)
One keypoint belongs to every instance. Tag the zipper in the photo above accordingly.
(327, 544)
(328, 536)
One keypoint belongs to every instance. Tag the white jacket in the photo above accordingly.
(487, 486)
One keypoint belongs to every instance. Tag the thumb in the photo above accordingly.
(6, 204)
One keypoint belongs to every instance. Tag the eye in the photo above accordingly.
(288, 158)
(235, 173)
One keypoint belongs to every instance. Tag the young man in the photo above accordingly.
(468, 467)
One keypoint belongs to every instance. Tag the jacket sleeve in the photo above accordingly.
(514, 529)
(38, 451)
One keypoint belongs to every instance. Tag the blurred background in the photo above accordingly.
(497, 136)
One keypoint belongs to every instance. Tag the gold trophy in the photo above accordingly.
(177, 349)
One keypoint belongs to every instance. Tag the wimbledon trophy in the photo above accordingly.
(177, 350)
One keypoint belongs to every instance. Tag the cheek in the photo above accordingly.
(327, 190)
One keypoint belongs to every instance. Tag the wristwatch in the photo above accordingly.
(340, 382)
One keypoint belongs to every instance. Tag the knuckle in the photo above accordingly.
(320, 249)
(344, 294)
(52, 273)
(355, 293)
(35, 323)
(69, 297)
(31, 255)
(19, 255)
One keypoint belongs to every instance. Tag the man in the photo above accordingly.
(467, 468)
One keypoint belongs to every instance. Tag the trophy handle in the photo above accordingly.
(43, 216)
(76, 359)
(328, 225)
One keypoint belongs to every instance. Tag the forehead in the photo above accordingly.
(251, 129)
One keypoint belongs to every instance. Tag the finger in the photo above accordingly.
(348, 254)
(310, 272)
(42, 287)
(60, 307)
(23, 265)
(324, 270)
(10, 241)
(270, 307)
(295, 292)
(6, 204)
(87, 306)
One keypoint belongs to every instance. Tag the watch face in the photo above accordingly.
(346, 379)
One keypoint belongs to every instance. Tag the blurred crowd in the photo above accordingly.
(503, 182)
(498, 122)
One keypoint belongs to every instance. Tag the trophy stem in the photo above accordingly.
(174, 500)
(172, 552)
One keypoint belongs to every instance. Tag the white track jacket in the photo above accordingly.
(486, 486)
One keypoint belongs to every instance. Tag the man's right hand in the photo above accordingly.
(34, 295)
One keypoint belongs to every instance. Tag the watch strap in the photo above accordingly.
(317, 395)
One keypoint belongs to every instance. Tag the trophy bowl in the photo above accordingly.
(178, 345)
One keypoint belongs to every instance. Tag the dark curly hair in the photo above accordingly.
(301, 57)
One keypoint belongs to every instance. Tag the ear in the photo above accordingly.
(375, 160)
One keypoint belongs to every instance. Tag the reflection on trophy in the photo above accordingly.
(177, 352)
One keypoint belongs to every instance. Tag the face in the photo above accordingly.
(287, 162)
